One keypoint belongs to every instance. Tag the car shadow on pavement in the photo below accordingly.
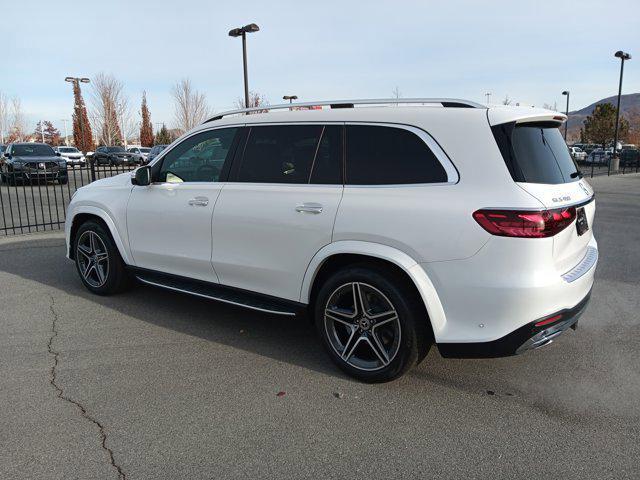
(558, 382)
(286, 339)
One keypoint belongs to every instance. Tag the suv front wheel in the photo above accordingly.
(371, 323)
(98, 261)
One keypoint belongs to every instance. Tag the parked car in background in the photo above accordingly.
(72, 155)
(155, 151)
(598, 157)
(115, 156)
(142, 151)
(577, 154)
(2, 149)
(29, 162)
(378, 223)
(629, 157)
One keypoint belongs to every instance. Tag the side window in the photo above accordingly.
(379, 155)
(279, 154)
(199, 158)
(327, 166)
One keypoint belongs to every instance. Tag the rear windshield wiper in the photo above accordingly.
(575, 174)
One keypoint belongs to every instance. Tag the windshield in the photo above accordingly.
(115, 149)
(35, 150)
(67, 150)
(536, 153)
(145, 150)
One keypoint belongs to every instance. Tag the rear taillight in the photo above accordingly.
(525, 223)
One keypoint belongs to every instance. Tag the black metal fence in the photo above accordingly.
(35, 199)
(600, 164)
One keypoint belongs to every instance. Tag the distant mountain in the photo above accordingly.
(629, 107)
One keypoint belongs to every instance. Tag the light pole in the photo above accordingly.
(66, 135)
(488, 94)
(291, 98)
(42, 129)
(566, 123)
(242, 32)
(616, 161)
(76, 83)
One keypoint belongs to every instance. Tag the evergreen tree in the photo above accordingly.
(82, 136)
(599, 127)
(163, 137)
(146, 130)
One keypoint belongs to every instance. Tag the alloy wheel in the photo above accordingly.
(362, 326)
(93, 259)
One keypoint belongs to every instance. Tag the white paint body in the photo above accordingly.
(476, 287)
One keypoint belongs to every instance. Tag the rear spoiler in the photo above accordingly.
(507, 114)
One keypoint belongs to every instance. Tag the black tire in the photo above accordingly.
(116, 277)
(63, 180)
(413, 337)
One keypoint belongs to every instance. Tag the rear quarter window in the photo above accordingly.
(379, 155)
(536, 153)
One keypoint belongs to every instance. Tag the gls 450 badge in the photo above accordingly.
(561, 199)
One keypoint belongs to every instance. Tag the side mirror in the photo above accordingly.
(58, 154)
(7, 156)
(142, 176)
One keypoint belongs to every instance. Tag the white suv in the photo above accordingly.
(395, 227)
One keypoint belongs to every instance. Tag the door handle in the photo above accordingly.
(199, 202)
(309, 208)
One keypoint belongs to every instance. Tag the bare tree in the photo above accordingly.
(110, 109)
(507, 100)
(4, 115)
(255, 100)
(548, 106)
(191, 107)
(18, 123)
(396, 92)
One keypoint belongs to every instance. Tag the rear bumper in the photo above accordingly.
(527, 337)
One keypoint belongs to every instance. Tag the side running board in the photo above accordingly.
(220, 293)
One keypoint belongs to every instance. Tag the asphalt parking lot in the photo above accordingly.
(152, 384)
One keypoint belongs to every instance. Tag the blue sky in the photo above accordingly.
(529, 50)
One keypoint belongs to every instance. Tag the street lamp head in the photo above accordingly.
(85, 80)
(622, 55)
(290, 97)
(69, 79)
(251, 28)
(238, 32)
(566, 92)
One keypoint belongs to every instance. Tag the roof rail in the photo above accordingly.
(445, 102)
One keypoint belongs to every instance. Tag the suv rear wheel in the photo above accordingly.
(371, 323)
(98, 261)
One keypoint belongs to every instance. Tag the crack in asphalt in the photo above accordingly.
(61, 394)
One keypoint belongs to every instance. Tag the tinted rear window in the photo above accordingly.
(535, 153)
(378, 155)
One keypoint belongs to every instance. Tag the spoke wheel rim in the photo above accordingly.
(362, 326)
(92, 259)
